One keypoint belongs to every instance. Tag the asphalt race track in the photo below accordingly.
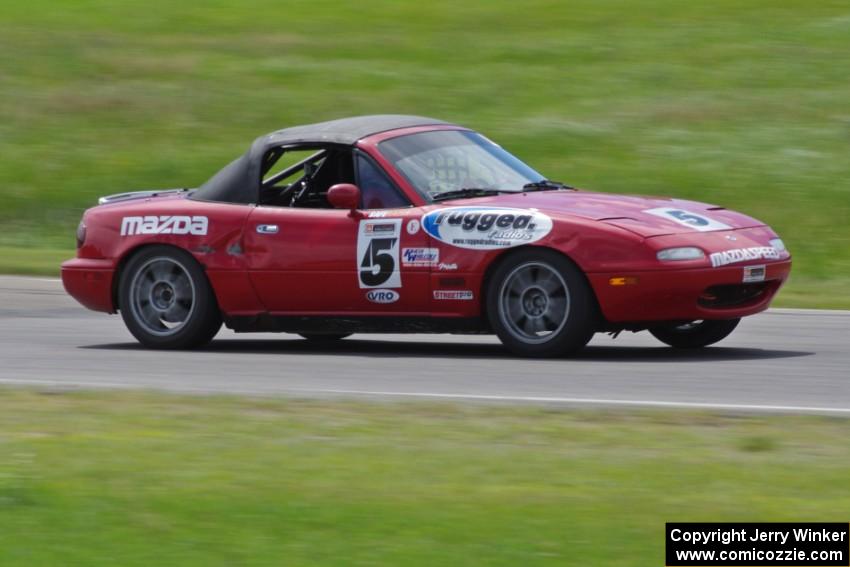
(782, 360)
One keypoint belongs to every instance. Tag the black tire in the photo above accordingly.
(320, 338)
(166, 300)
(695, 334)
(540, 304)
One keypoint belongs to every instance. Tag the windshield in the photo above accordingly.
(445, 161)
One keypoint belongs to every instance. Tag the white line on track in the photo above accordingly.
(31, 278)
(592, 401)
(766, 408)
(799, 311)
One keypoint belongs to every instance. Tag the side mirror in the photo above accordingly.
(344, 196)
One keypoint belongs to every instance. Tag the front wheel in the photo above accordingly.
(540, 304)
(695, 334)
(166, 300)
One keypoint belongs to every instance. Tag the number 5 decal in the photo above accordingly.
(378, 253)
(378, 263)
(689, 219)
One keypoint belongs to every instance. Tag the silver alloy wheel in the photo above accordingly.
(162, 296)
(534, 302)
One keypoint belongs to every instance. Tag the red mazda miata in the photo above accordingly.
(412, 225)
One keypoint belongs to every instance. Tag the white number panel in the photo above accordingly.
(378, 253)
(689, 219)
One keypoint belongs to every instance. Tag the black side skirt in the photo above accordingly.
(334, 325)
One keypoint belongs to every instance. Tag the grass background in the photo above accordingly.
(142, 479)
(742, 104)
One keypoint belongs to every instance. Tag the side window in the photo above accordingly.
(376, 189)
(301, 176)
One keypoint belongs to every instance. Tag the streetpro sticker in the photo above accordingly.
(454, 294)
(486, 228)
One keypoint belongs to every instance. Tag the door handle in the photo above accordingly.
(267, 228)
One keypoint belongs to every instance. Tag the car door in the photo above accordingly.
(320, 261)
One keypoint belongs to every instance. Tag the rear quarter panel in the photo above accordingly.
(217, 249)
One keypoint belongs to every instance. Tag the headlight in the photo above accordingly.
(778, 244)
(684, 253)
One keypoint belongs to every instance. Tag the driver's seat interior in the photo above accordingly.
(337, 167)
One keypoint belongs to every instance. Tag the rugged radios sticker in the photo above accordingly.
(486, 228)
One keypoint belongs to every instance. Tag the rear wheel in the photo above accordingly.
(540, 304)
(317, 337)
(166, 300)
(695, 334)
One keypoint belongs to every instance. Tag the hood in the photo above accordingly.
(645, 216)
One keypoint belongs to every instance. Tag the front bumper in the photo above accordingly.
(89, 281)
(680, 294)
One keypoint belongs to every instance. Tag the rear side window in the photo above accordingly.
(376, 189)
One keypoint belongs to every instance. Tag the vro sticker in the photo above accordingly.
(382, 296)
(486, 228)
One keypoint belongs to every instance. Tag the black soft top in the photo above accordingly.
(239, 181)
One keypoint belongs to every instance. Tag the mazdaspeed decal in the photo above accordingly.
(689, 219)
(164, 224)
(378, 253)
(486, 228)
(743, 255)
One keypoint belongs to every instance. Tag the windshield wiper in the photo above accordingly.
(546, 185)
(466, 192)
